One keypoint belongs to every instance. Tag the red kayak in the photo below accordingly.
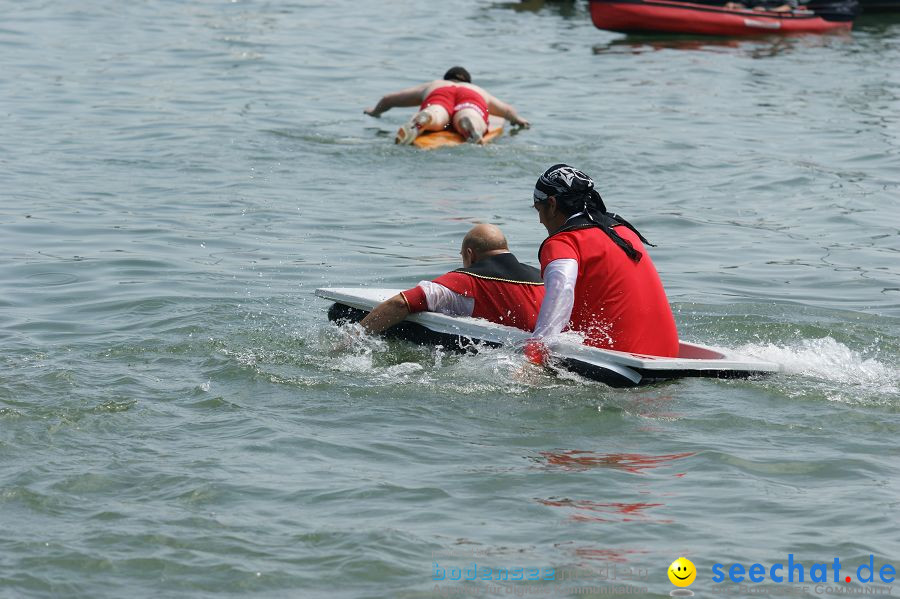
(673, 16)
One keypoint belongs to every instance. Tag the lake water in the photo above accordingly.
(177, 419)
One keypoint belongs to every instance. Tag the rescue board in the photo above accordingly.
(617, 369)
(449, 137)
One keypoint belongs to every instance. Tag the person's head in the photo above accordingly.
(562, 191)
(458, 74)
(482, 241)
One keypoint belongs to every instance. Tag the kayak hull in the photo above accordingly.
(671, 16)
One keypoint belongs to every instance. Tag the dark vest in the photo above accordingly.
(504, 267)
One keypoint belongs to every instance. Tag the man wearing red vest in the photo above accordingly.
(599, 279)
(492, 284)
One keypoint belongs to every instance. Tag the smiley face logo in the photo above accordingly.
(682, 572)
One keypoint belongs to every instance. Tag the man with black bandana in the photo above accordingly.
(492, 284)
(599, 280)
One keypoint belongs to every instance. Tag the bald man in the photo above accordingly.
(492, 284)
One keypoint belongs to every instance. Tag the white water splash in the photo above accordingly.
(829, 360)
(349, 349)
(399, 371)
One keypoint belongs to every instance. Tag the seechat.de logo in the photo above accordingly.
(796, 571)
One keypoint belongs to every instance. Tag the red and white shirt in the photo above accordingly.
(514, 302)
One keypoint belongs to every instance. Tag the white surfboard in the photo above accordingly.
(618, 369)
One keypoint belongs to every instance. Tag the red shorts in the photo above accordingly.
(453, 98)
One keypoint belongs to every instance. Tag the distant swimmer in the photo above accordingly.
(599, 279)
(452, 100)
(492, 284)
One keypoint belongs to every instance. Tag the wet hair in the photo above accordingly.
(458, 74)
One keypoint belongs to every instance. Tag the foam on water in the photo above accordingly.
(822, 366)
(348, 349)
(835, 367)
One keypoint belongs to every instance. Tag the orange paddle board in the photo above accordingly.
(449, 137)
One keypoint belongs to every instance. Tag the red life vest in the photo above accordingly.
(620, 303)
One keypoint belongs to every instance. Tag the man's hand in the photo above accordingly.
(536, 352)
(348, 336)
(372, 112)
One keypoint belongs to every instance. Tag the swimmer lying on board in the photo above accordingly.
(451, 100)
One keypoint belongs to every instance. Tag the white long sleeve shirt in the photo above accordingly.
(559, 298)
(443, 300)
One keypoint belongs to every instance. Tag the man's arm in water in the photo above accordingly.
(498, 107)
(427, 295)
(411, 96)
(386, 314)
